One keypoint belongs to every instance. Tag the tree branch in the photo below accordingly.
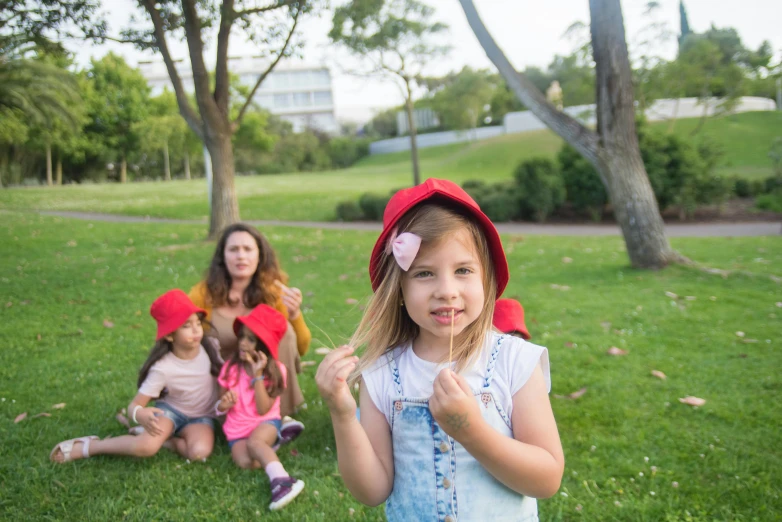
(187, 111)
(581, 138)
(222, 79)
(235, 124)
(195, 45)
(256, 10)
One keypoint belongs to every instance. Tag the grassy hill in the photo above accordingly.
(745, 138)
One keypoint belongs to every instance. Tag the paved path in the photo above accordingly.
(760, 228)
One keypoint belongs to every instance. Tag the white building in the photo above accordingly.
(299, 94)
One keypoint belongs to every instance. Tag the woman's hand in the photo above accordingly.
(331, 379)
(227, 401)
(148, 417)
(453, 405)
(291, 298)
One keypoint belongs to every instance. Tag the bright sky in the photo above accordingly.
(529, 32)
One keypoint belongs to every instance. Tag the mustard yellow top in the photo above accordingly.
(200, 297)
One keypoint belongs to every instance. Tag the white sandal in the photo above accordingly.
(66, 447)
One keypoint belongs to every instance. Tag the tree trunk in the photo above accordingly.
(225, 208)
(187, 165)
(635, 206)
(48, 164)
(58, 171)
(413, 134)
(613, 149)
(123, 170)
(166, 163)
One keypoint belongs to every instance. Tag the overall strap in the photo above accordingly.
(495, 351)
(394, 372)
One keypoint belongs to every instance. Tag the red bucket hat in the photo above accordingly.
(171, 310)
(509, 317)
(443, 190)
(267, 324)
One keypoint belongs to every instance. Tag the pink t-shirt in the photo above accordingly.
(243, 418)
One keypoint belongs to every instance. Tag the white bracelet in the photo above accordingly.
(217, 411)
(134, 412)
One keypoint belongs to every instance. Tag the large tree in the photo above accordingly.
(271, 25)
(398, 39)
(613, 147)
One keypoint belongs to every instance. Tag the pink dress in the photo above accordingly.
(243, 418)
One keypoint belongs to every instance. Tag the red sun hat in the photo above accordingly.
(171, 310)
(267, 324)
(443, 190)
(509, 317)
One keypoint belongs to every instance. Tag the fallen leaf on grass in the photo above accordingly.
(671, 295)
(351, 301)
(343, 277)
(691, 298)
(564, 288)
(569, 345)
(567, 260)
(19, 418)
(322, 350)
(305, 364)
(779, 304)
(740, 334)
(42, 414)
(58, 406)
(693, 401)
(659, 374)
(71, 243)
(574, 395)
(606, 325)
(108, 324)
(616, 351)
(749, 341)
(38, 337)
(294, 453)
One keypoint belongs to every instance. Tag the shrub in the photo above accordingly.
(499, 201)
(349, 211)
(345, 151)
(473, 184)
(541, 189)
(583, 187)
(772, 183)
(742, 188)
(373, 205)
(772, 202)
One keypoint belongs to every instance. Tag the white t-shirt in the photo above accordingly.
(191, 389)
(515, 362)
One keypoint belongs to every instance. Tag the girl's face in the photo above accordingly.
(247, 341)
(189, 335)
(241, 255)
(445, 277)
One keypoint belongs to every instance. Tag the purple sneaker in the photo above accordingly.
(284, 489)
(289, 430)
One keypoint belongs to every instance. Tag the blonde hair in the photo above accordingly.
(386, 324)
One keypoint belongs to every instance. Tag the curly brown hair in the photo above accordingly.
(262, 288)
(272, 375)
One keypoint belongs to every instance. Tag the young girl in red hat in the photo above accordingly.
(252, 382)
(180, 376)
(456, 421)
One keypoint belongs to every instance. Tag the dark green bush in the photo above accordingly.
(373, 205)
(473, 184)
(345, 151)
(349, 211)
(742, 188)
(772, 202)
(772, 183)
(541, 189)
(583, 187)
(499, 201)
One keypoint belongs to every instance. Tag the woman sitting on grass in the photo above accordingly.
(244, 273)
(180, 375)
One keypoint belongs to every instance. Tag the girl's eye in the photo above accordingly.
(425, 273)
(463, 271)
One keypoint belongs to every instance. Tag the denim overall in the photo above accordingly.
(435, 478)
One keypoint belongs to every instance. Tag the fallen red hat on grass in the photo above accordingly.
(509, 317)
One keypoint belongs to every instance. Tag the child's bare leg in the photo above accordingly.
(259, 444)
(143, 445)
(195, 442)
(241, 456)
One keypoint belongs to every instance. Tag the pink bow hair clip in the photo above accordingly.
(404, 247)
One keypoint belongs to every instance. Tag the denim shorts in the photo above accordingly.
(181, 420)
(277, 423)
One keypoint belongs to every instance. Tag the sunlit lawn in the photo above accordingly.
(629, 442)
(746, 139)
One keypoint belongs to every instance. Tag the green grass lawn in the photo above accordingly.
(746, 139)
(627, 440)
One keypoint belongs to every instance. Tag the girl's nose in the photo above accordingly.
(447, 288)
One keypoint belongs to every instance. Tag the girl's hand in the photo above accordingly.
(256, 360)
(148, 417)
(453, 405)
(227, 401)
(331, 379)
(291, 298)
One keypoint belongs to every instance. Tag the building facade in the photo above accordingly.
(299, 94)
